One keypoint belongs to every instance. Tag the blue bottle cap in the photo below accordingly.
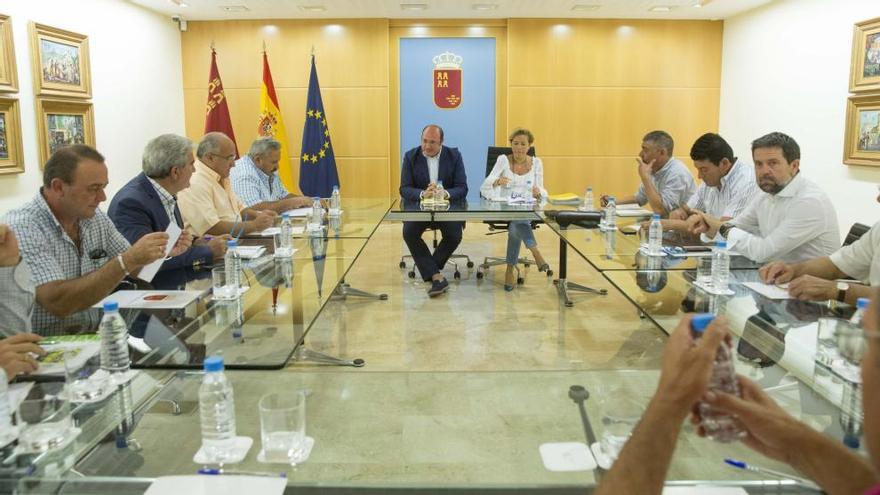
(214, 363)
(111, 306)
(862, 303)
(316, 199)
(336, 188)
(700, 321)
(231, 244)
(612, 198)
(721, 244)
(590, 188)
(851, 441)
(285, 216)
(655, 216)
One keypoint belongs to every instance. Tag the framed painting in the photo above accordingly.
(60, 62)
(8, 73)
(11, 157)
(62, 123)
(864, 72)
(862, 139)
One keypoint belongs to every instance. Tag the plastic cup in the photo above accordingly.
(283, 426)
(45, 423)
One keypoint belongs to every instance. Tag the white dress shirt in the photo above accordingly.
(738, 188)
(535, 175)
(797, 224)
(861, 259)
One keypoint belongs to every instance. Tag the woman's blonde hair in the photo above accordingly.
(522, 131)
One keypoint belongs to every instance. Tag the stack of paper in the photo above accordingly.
(633, 210)
(250, 252)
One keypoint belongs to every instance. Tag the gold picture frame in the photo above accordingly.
(864, 72)
(11, 156)
(60, 62)
(8, 72)
(862, 139)
(63, 122)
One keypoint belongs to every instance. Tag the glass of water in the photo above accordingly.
(45, 423)
(619, 417)
(704, 271)
(222, 291)
(81, 384)
(826, 345)
(283, 427)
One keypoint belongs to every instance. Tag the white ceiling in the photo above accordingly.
(449, 9)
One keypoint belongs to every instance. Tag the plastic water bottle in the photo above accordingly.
(114, 340)
(861, 307)
(588, 204)
(317, 217)
(217, 411)
(655, 236)
(7, 431)
(527, 192)
(286, 247)
(611, 214)
(232, 261)
(335, 202)
(719, 426)
(720, 267)
(439, 193)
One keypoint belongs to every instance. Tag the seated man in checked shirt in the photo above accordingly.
(255, 179)
(75, 254)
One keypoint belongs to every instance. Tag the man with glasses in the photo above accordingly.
(209, 206)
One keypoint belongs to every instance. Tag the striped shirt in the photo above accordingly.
(252, 185)
(674, 183)
(168, 201)
(52, 255)
(17, 303)
(736, 191)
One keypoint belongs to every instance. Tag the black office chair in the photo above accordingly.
(498, 227)
(855, 232)
(456, 274)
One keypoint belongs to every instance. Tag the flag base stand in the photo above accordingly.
(343, 290)
(306, 355)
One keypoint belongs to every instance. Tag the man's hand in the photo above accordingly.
(16, 354)
(146, 250)
(218, 246)
(696, 225)
(298, 202)
(678, 214)
(9, 255)
(776, 272)
(263, 221)
(603, 200)
(687, 365)
(645, 169)
(771, 431)
(810, 288)
(184, 242)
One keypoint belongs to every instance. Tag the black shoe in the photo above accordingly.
(438, 287)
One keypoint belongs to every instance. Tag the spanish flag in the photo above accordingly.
(271, 124)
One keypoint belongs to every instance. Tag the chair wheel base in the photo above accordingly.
(479, 275)
(520, 280)
(456, 275)
(402, 264)
(549, 273)
(470, 264)
(412, 274)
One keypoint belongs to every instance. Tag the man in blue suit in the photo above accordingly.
(148, 202)
(423, 168)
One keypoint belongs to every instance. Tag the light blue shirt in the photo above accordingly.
(252, 185)
(674, 183)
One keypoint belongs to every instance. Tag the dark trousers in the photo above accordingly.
(428, 263)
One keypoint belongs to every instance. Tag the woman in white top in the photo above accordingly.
(518, 173)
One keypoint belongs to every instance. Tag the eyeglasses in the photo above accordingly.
(229, 157)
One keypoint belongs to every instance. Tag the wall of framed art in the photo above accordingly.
(861, 144)
(786, 67)
(11, 160)
(114, 86)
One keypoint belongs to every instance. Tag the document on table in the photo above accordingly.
(149, 271)
(152, 299)
(299, 212)
(250, 252)
(770, 291)
(295, 230)
(82, 348)
(633, 210)
(217, 485)
(704, 490)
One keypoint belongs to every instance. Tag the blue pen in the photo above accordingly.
(217, 472)
(756, 469)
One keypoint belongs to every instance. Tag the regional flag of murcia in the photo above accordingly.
(447, 80)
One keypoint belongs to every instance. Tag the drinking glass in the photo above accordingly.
(283, 426)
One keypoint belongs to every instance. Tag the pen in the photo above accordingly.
(215, 472)
(747, 467)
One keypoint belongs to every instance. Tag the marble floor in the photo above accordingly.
(477, 326)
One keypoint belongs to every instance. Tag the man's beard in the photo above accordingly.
(772, 187)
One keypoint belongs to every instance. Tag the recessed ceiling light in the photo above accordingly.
(235, 8)
(313, 8)
(661, 8)
(413, 6)
(485, 6)
(584, 7)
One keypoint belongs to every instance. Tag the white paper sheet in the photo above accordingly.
(295, 230)
(299, 212)
(149, 271)
(704, 490)
(151, 299)
(633, 212)
(250, 252)
(769, 291)
(217, 485)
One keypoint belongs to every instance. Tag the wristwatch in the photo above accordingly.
(842, 289)
(724, 229)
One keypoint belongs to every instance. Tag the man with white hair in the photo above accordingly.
(256, 182)
(148, 203)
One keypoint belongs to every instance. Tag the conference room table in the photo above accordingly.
(368, 439)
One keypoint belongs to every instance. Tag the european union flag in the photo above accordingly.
(317, 166)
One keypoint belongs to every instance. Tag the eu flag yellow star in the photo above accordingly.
(321, 153)
(310, 113)
(318, 114)
(305, 157)
(314, 158)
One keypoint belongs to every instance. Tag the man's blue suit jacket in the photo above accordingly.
(414, 177)
(137, 210)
